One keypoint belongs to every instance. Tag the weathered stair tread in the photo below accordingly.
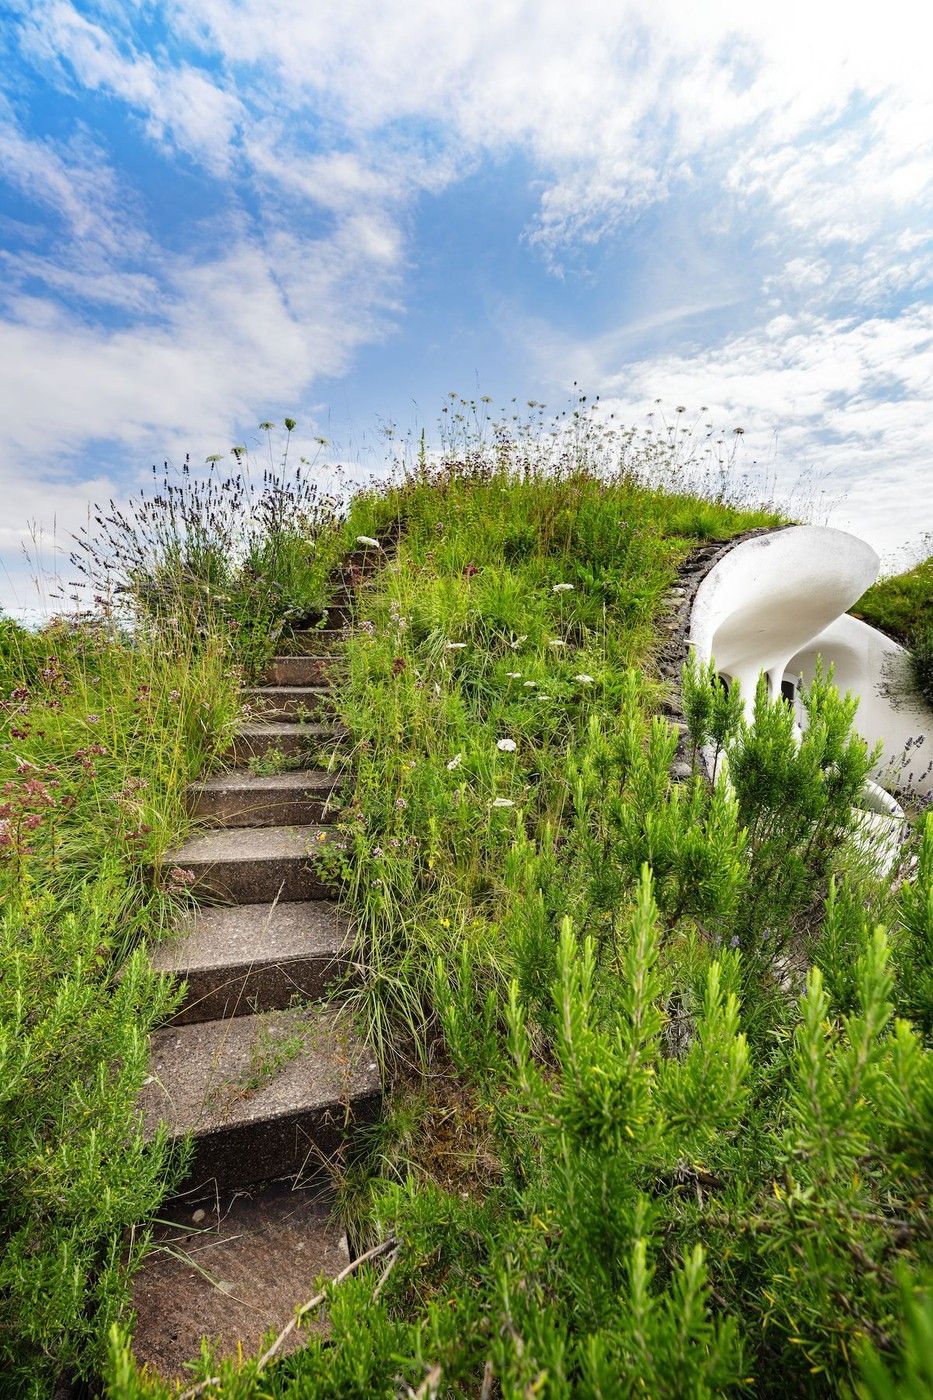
(241, 798)
(230, 1270)
(300, 670)
(284, 700)
(282, 729)
(262, 1096)
(253, 957)
(251, 864)
(260, 737)
(309, 641)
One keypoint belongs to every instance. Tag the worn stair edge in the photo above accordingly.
(287, 701)
(301, 670)
(231, 1270)
(239, 798)
(252, 1117)
(248, 958)
(290, 738)
(255, 865)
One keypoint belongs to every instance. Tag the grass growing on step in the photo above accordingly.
(276, 1043)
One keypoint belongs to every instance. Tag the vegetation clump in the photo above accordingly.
(660, 1108)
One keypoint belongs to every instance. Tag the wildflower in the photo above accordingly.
(377, 852)
(180, 878)
(506, 745)
(455, 762)
(562, 588)
(455, 646)
(513, 675)
(93, 719)
(530, 685)
(557, 642)
(368, 541)
(503, 802)
(400, 804)
(174, 695)
(542, 697)
(398, 665)
(584, 679)
(518, 641)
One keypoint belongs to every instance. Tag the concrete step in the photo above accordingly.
(256, 864)
(337, 614)
(262, 1097)
(241, 798)
(253, 957)
(288, 701)
(230, 1270)
(301, 670)
(311, 641)
(259, 738)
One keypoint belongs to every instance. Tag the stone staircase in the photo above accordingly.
(268, 1085)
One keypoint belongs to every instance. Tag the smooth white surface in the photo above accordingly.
(877, 670)
(760, 605)
(778, 602)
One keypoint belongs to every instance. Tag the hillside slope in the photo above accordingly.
(660, 1094)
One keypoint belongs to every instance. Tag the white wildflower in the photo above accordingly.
(562, 588)
(513, 675)
(530, 685)
(584, 679)
(542, 697)
(506, 745)
(556, 642)
(455, 762)
(518, 641)
(455, 646)
(503, 802)
(368, 541)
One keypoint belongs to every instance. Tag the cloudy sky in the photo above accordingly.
(218, 211)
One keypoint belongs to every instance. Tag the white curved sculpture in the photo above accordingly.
(777, 602)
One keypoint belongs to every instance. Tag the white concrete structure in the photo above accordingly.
(777, 602)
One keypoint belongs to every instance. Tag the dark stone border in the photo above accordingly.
(675, 622)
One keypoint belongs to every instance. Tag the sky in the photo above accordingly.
(217, 212)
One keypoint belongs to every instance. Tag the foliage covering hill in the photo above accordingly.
(660, 1117)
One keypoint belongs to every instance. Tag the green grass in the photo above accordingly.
(902, 606)
(100, 734)
(652, 1128)
(660, 1093)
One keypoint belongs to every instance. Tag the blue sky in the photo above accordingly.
(217, 211)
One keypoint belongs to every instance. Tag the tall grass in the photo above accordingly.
(101, 733)
(653, 1127)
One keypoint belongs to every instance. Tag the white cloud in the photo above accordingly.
(846, 400)
(807, 127)
(181, 105)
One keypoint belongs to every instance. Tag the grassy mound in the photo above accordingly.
(660, 1109)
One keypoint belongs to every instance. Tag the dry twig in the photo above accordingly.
(390, 1243)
